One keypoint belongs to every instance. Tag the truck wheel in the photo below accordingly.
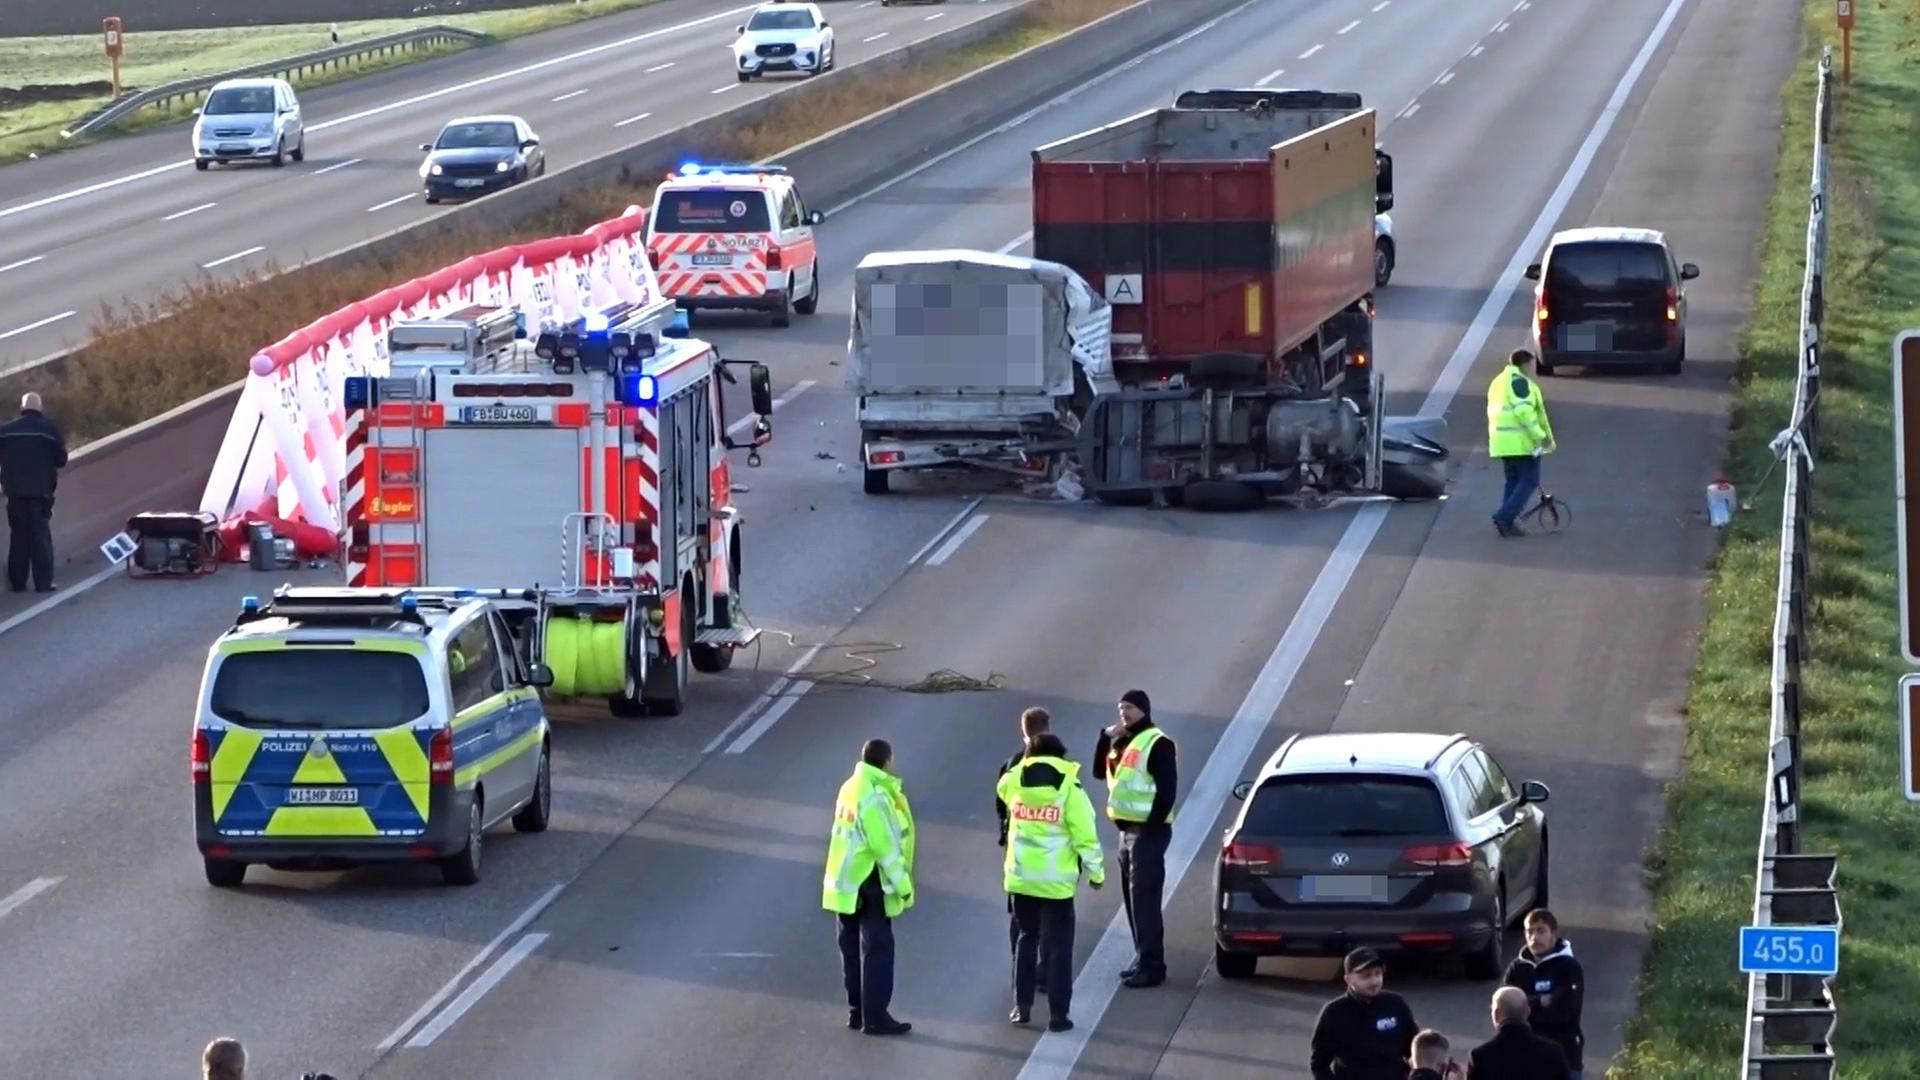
(1382, 261)
(1226, 371)
(1222, 495)
(874, 481)
(665, 693)
(1411, 482)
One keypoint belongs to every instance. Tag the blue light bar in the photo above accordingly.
(250, 604)
(694, 168)
(359, 392)
(409, 603)
(638, 390)
(594, 322)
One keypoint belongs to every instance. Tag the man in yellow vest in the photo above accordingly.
(869, 883)
(1136, 759)
(1050, 842)
(1518, 433)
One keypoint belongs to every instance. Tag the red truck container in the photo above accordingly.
(1238, 222)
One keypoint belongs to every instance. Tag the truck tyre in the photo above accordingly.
(874, 481)
(1411, 482)
(665, 693)
(1382, 261)
(1222, 495)
(1226, 371)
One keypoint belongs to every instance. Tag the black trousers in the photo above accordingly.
(1143, 877)
(866, 958)
(30, 542)
(1045, 941)
(1013, 944)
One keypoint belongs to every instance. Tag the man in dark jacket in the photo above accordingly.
(1430, 1058)
(1136, 759)
(1365, 1033)
(1548, 974)
(1515, 1052)
(1034, 723)
(32, 453)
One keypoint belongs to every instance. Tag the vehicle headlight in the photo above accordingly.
(437, 170)
(501, 167)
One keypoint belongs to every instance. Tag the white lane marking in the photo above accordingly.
(66, 593)
(571, 94)
(936, 15)
(1412, 107)
(23, 262)
(1522, 5)
(176, 215)
(1348, 27)
(1055, 1054)
(1051, 103)
(772, 694)
(948, 549)
(27, 892)
(1007, 248)
(875, 37)
(224, 259)
(739, 955)
(1502, 28)
(471, 997)
(660, 67)
(779, 403)
(724, 89)
(337, 165)
(1382, 5)
(91, 188)
(1445, 78)
(18, 330)
(518, 924)
(774, 712)
(631, 120)
(952, 524)
(1477, 50)
(1311, 51)
(389, 202)
(1270, 76)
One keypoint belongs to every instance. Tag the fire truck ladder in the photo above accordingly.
(580, 532)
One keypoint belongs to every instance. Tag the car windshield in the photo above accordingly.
(1607, 267)
(469, 136)
(235, 100)
(782, 19)
(320, 689)
(1346, 806)
(711, 211)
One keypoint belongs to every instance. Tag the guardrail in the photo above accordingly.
(338, 55)
(1790, 1017)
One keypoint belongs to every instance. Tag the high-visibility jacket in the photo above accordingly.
(872, 827)
(1050, 833)
(1517, 422)
(1130, 787)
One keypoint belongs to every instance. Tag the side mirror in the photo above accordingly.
(740, 29)
(426, 147)
(815, 217)
(1688, 271)
(529, 144)
(1382, 181)
(760, 387)
(1242, 789)
(539, 675)
(1534, 791)
(1533, 272)
(196, 112)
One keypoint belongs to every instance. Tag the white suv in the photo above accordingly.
(246, 120)
(783, 37)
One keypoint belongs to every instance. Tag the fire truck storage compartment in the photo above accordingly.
(1214, 231)
(516, 482)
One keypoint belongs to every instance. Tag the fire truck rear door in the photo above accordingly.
(497, 500)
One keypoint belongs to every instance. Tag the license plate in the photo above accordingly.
(468, 183)
(323, 796)
(1344, 887)
(235, 148)
(713, 260)
(1593, 337)
(498, 414)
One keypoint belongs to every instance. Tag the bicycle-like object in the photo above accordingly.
(1552, 514)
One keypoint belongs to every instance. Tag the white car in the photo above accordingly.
(249, 120)
(783, 37)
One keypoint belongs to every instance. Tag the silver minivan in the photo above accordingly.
(247, 120)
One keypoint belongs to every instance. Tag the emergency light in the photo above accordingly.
(594, 322)
(249, 605)
(638, 390)
(358, 393)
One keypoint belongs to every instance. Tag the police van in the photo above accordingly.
(338, 727)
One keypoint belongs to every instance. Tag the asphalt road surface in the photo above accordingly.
(131, 217)
(670, 921)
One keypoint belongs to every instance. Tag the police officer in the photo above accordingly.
(1518, 432)
(32, 453)
(869, 883)
(1365, 1033)
(1136, 759)
(1034, 721)
(1051, 841)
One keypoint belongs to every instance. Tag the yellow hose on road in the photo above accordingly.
(588, 658)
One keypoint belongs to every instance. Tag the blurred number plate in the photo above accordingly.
(713, 260)
(235, 148)
(468, 183)
(323, 796)
(498, 414)
(1593, 337)
(1343, 887)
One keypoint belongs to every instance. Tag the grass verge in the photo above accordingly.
(1688, 1022)
(147, 357)
(161, 56)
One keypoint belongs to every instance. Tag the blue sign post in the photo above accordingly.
(1790, 950)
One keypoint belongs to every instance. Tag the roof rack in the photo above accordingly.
(694, 168)
(1442, 752)
(365, 605)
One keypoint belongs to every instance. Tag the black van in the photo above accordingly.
(1610, 296)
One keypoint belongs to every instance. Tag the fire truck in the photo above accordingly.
(581, 480)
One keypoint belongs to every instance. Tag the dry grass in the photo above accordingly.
(149, 357)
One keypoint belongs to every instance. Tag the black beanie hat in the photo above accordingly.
(1138, 699)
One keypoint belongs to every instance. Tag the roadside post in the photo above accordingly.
(1843, 11)
(1909, 737)
(1906, 471)
(110, 33)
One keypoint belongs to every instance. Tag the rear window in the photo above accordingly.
(320, 689)
(711, 211)
(1607, 267)
(1346, 806)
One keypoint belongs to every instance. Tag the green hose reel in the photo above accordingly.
(588, 657)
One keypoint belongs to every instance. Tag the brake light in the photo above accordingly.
(440, 756)
(773, 258)
(202, 757)
(1455, 854)
(1426, 937)
(885, 457)
(1673, 304)
(1249, 855)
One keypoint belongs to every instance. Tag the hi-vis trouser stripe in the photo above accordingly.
(1055, 843)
